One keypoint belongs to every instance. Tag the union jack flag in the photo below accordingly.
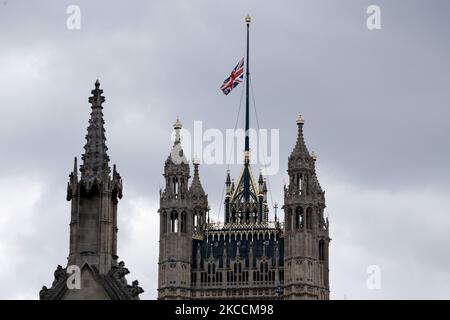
(236, 77)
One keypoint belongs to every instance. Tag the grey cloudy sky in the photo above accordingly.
(376, 105)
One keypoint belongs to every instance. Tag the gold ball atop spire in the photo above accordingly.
(177, 124)
(248, 19)
(196, 160)
(300, 119)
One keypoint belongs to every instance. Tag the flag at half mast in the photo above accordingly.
(236, 77)
(246, 184)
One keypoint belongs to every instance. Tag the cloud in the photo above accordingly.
(27, 235)
(404, 233)
(138, 242)
(16, 219)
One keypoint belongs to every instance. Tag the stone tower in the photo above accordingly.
(247, 256)
(94, 198)
(306, 230)
(182, 215)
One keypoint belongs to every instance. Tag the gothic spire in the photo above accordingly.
(315, 182)
(300, 149)
(95, 165)
(196, 186)
(260, 179)
(177, 155)
(301, 164)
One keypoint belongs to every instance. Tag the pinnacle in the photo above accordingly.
(300, 149)
(196, 186)
(97, 99)
(95, 158)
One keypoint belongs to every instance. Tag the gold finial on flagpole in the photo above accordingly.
(248, 19)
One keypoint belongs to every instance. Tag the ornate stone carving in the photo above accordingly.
(59, 274)
(119, 272)
(134, 289)
(44, 294)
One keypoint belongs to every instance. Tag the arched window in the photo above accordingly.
(174, 221)
(164, 221)
(299, 217)
(183, 222)
(321, 250)
(299, 183)
(180, 186)
(199, 220)
(309, 218)
(288, 220)
(176, 187)
(195, 221)
(306, 184)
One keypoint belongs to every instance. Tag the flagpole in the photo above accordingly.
(247, 118)
(247, 96)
